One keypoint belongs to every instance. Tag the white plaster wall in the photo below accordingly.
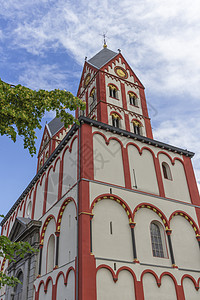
(67, 240)
(144, 169)
(176, 188)
(66, 291)
(48, 294)
(143, 219)
(107, 289)
(108, 165)
(189, 290)
(52, 190)
(69, 168)
(152, 292)
(185, 245)
(39, 200)
(51, 228)
(117, 245)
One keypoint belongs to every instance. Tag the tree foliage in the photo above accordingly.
(11, 251)
(21, 110)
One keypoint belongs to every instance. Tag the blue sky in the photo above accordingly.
(43, 45)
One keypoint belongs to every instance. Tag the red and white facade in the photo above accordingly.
(103, 188)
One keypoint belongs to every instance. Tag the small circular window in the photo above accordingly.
(28, 211)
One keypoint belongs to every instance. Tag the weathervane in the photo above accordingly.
(104, 40)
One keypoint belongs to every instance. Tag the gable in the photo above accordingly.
(18, 228)
(120, 62)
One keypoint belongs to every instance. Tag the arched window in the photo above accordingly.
(29, 208)
(132, 98)
(137, 127)
(41, 163)
(46, 156)
(156, 240)
(113, 91)
(50, 253)
(93, 94)
(166, 171)
(115, 120)
(19, 287)
(92, 99)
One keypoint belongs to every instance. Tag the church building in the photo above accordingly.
(114, 213)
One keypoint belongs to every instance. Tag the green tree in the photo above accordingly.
(11, 250)
(22, 109)
(21, 112)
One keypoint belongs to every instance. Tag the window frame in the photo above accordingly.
(162, 251)
(167, 174)
(113, 91)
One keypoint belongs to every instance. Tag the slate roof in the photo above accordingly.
(55, 125)
(102, 57)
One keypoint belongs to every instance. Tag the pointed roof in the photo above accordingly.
(55, 125)
(102, 57)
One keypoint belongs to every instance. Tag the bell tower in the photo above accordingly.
(113, 93)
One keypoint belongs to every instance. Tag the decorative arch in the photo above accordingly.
(118, 200)
(61, 211)
(71, 269)
(135, 145)
(170, 275)
(113, 86)
(107, 141)
(116, 115)
(39, 286)
(156, 210)
(126, 269)
(47, 283)
(188, 218)
(196, 283)
(58, 276)
(92, 92)
(171, 159)
(115, 278)
(136, 122)
(131, 92)
(158, 281)
(48, 219)
(35, 193)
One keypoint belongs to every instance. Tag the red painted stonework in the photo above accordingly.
(86, 261)
(192, 185)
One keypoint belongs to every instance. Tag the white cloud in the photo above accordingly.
(43, 77)
(159, 37)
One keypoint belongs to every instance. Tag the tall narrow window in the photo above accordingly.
(115, 120)
(92, 99)
(156, 240)
(50, 253)
(132, 99)
(137, 127)
(113, 91)
(19, 287)
(166, 171)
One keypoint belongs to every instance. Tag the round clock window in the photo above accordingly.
(121, 72)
